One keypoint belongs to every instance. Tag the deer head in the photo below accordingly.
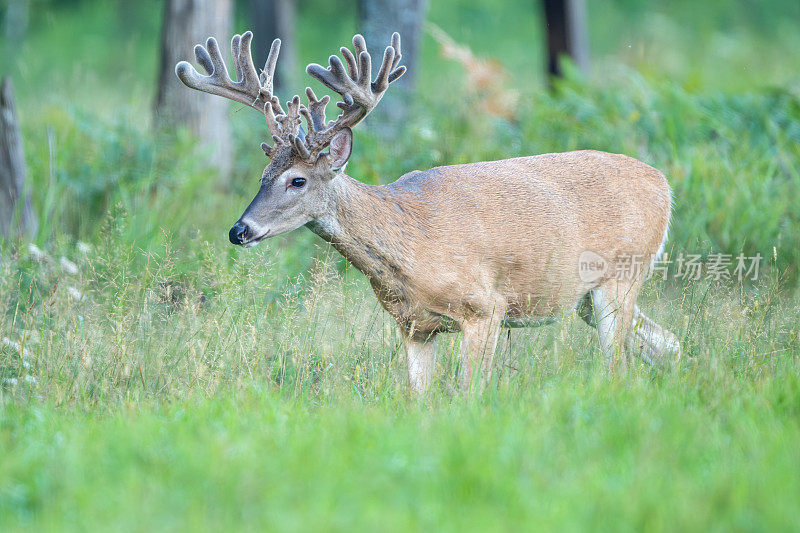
(298, 185)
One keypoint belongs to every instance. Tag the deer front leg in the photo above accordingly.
(478, 344)
(421, 360)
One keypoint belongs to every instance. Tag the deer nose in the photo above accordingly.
(237, 233)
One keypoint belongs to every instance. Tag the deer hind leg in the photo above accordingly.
(421, 360)
(650, 341)
(610, 309)
(478, 344)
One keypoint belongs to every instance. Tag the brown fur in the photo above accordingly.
(478, 243)
(453, 241)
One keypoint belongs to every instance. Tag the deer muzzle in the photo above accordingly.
(243, 234)
(238, 234)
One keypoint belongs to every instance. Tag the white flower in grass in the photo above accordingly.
(31, 335)
(31, 380)
(10, 381)
(427, 133)
(11, 344)
(76, 294)
(84, 248)
(35, 253)
(68, 266)
(16, 347)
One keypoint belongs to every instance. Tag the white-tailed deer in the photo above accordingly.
(469, 248)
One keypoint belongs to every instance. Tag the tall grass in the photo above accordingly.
(220, 394)
(137, 324)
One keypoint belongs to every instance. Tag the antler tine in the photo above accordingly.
(290, 121)
(315, 112)
(291, 128)
(352, 66)
(397, 48)
(268, 73)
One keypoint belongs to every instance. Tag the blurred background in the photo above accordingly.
(707, 92)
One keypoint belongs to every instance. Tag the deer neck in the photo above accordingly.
(363, 225)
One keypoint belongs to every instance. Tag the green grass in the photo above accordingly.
(685, 452)
(177, 382)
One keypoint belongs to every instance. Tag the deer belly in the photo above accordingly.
(527, 322)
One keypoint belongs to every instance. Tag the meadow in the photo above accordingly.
(152, 376)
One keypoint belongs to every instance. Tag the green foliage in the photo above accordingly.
(600, 457)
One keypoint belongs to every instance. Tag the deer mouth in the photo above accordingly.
(255, 240)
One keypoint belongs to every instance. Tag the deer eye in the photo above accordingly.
(298, 182)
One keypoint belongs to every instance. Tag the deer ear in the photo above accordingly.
(340, 149)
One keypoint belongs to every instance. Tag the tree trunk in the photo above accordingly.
(271, 19)
(17, 17)
(566, 34)
(187, 23)
(16, 213)
(377, 20)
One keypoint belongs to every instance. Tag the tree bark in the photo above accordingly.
(271, 19)
(567, 34)
(16, 214)
(187, 23)
(377, 20)
(16, 20)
